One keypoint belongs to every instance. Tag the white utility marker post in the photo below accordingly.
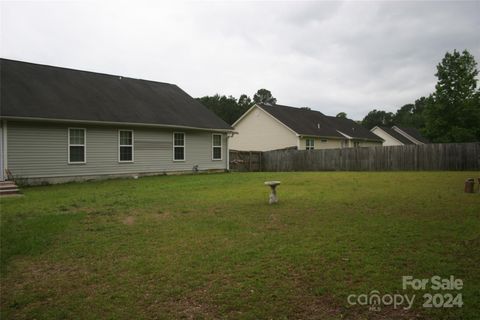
(273, 194)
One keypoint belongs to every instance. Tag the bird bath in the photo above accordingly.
(273, 194)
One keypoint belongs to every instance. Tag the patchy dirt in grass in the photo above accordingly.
(130, 220)
(191, 307)
(162, 215)
(309, 305)
(274, 222)
(46, 281)
(328, 307)
(195, 304)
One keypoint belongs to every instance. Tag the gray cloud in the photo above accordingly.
(331, 56)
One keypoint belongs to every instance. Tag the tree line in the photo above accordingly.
(230, 108)
(450, 114)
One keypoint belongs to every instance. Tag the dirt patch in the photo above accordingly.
(195, 304)
(274, 222)
(162, 215)
(130, 220)
(311, 305)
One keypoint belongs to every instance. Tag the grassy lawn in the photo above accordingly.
(210, 246)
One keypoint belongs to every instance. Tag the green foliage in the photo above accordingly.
(230, 109)
(227, 108)
(244, 102)
(264, 96)
(412, 115)
(454, 114)
(211, 247)
(451, 113)
(378, 118)
(342, 115)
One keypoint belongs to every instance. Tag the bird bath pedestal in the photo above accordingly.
(273, 194)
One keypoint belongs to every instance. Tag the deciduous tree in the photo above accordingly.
(377, 118)
(454, 114)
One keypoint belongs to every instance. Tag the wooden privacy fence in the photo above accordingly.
(245, 160)
(449, 156)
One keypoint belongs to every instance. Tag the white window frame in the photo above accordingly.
(214, 146)
(311, 147)
(184, 147)
(84, 145)
(126, 145)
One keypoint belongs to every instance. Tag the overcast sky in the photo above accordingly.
(330, 56)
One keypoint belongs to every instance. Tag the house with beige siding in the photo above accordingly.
(60, 125)
(269, 127)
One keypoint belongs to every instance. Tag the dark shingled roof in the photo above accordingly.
(396, 135)
(314, 123)
(414, 133)
(40, 91)
(353, 129)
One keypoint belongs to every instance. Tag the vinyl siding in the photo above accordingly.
(389, 140)
(337, 143)
(329, 144)
(259, 131)
(369, 144)
(41, 150)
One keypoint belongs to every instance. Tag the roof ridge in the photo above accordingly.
(301, 109)
(84, 71)
(31, 90)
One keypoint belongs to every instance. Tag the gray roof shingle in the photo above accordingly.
(414, 133)
(396, 135)
(41, 91)
(314, 123)
(353, 129)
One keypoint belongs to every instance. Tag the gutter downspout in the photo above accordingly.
(4, 148)
(229, 135)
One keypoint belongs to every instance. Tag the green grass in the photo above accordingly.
(210, 246)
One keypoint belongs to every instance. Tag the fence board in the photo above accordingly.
(245, 160)
(448, 156)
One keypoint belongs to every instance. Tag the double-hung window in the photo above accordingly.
(217, 147)
(309, 144)
(76, 146)
(125, 145)
(178, 146)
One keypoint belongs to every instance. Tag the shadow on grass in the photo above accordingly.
(31, 235)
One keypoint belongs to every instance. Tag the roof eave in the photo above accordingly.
(319, 136)
(94, 122)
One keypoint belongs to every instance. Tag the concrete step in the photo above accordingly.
(9, 193)
(8, 186)
(9, 190)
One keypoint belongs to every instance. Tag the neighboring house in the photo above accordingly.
(399, 136)
(60, 124)
(268, 127)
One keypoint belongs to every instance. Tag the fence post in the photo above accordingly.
(452, 156)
